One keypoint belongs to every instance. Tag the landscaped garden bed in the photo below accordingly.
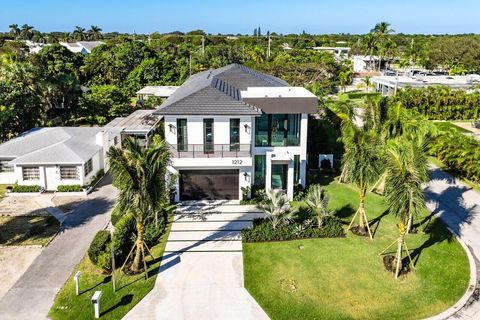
(345, 277)
(27, 230)
(130, 288)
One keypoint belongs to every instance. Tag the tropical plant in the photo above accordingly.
(276, 207)
(79, 33)
(317, 203)
(14, 30)
(407, 172)
(26, 32)
(139, 174)
(95, 33)
(361, 168)
(367, 82)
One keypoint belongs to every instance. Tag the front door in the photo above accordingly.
(279, 176)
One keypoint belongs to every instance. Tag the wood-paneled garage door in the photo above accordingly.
(209, 184)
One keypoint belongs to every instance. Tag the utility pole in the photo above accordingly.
(190, 64)
(203, 44)
(149, 39)
(268, 50)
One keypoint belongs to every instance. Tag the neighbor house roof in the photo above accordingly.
(218, 92)
(454, 82)
(81, 46)
(57, 145)
(158, 91)
(140, 121)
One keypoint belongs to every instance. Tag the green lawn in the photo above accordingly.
(130, 289)
(27, 230)
(344, 278)
(445, 126)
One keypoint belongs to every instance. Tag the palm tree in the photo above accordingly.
(79, 33)
(276, 208)
(95, 33)
(382, 30)
(370, 46)
(139, 174)
(27, 32)
(317, 203)
(367, 82)
(344, 78)
(14, 30)
(362, 168)
(407, 172)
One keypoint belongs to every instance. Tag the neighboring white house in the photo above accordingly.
(84, 47)
(234, 127)
(141, 125)
(388, 85)
(55, 156)
(338, 52)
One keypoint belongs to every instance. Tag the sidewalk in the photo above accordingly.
(459, 207)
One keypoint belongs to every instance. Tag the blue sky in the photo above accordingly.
(281, 16)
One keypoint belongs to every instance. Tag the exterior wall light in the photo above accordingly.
(247, 128)
(246, 176)
(172, 128)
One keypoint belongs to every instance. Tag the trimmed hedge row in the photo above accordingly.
(69, 188)
(23, 188)
(360, 95)
(262, 231)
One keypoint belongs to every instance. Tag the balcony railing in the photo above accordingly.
(210, 150)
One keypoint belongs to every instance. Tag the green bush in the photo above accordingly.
(24, 188)
(262, 230)
(152, 233)
(99, 245)
(117, 214)
(360, 95)
(69, 188)
(122, 237)
(97, 177)
(105, 259)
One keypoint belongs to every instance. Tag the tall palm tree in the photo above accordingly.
(79, 33)
(382, 30)
(257, 54)
(317, 203)
(14, 30)
(26, 32)
(95, 33)
(370, 46)
(407, 172)
(139, 174)
(362, 168)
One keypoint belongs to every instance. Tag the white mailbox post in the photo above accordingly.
(96, 303)
(76, 278)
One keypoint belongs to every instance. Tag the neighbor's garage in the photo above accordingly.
(209, 184)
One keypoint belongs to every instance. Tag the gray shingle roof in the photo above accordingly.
(218, 92)
(70, 145)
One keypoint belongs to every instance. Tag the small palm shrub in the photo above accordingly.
(276, 208)
(317, 203)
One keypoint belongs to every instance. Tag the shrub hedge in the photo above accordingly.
(98, 246)
(262, 231)
(360, 95)
(69, 188)
(23, 188)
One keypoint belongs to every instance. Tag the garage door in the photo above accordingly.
(208, 184)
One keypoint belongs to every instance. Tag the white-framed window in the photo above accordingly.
(4, 167)
(31, 173)
(69, 173)
(88, 167)
(115, 140)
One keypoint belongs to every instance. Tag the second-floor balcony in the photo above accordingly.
(210, 150)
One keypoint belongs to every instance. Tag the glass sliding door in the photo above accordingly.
(277, 130)
(234, 134)
(279, 176)
(262, 136)
(208, 143)
(182, 137)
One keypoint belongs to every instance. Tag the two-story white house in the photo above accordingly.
(234, 127)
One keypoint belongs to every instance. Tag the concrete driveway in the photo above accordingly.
(201, 275)
(459, 207)
(33, 294)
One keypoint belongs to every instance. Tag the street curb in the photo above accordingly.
(471, 285)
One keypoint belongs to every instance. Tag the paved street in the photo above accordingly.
(33, 294)
(201, 276)
(459, 207)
